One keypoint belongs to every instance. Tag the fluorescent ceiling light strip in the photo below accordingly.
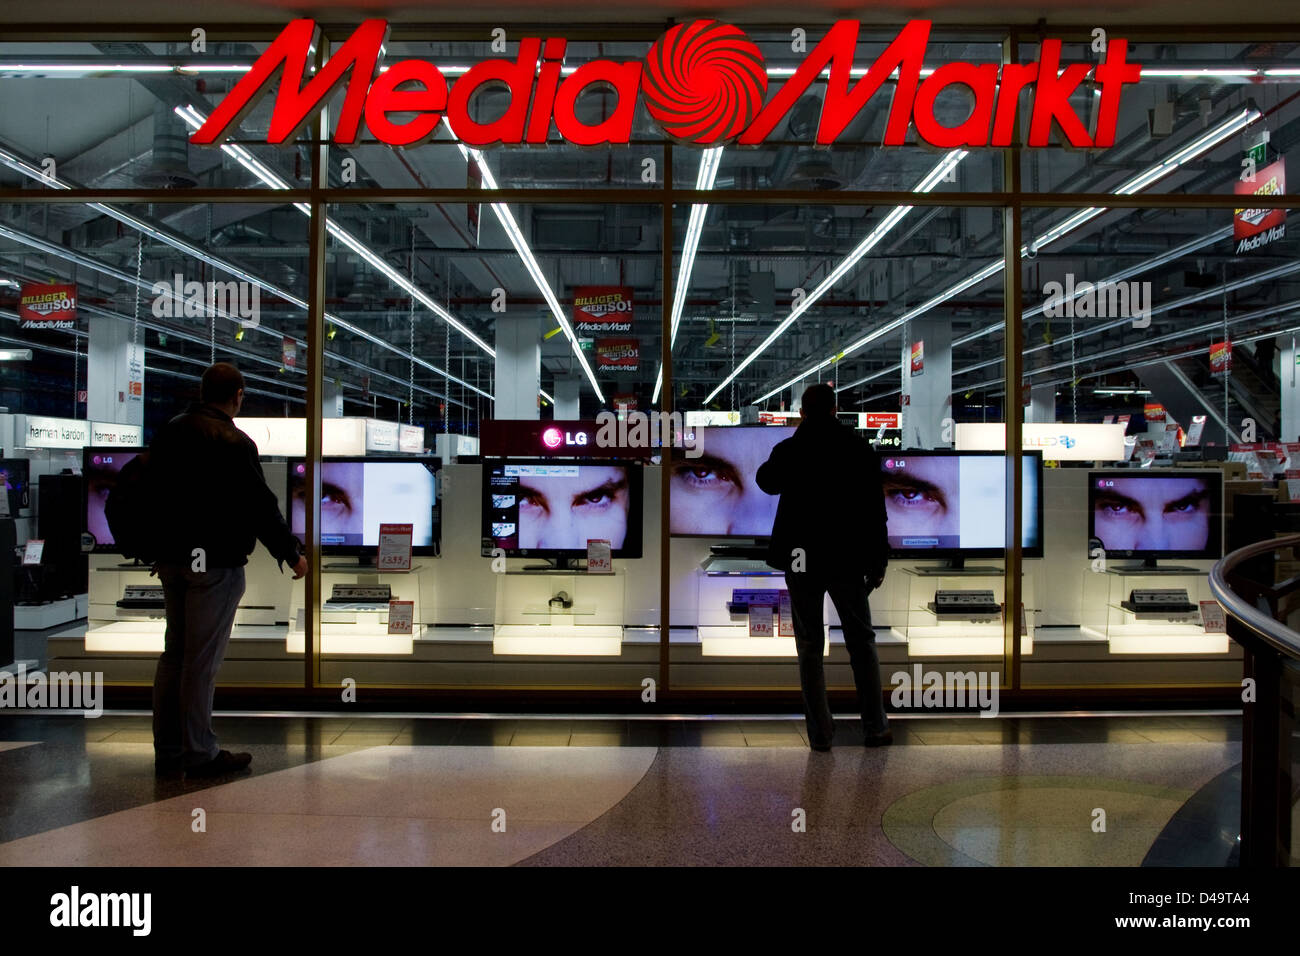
(57, 251)
(1147, 265)
(1201, 144)
(1277, 272)
(507, 220)
(195, 119)
(710, 161)
(882, 229)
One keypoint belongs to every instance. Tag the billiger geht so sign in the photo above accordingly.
(704, 82)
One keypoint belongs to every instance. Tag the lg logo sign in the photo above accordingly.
(554, 437)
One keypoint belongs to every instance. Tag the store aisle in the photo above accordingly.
(374, 791)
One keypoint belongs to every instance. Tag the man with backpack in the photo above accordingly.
(207, 505)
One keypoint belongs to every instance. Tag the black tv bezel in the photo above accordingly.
(1032, 551)
(633, 543)
(86, 452)
(673, 458)
(360, 550)
(1217, 515)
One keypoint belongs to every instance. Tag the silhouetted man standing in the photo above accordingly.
(829, 537)
(212, 505)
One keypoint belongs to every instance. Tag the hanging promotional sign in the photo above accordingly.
(1255, 228)
(601, 309)
(1220, 357)
(625, 401)
(288, 352)
(1153, 412)
(704, 82)
(618, 355)
(918, 359)
(874, 420)
(47, 307)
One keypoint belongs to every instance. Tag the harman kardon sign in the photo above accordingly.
(704, 82)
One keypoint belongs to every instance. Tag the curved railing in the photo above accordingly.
(1246, 611)
(1270, 689)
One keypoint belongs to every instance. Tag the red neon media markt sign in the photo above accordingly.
(704, 82)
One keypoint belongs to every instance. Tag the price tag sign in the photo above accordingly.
(32, 553)
(401, 617)
(1213, 620)
(394, 547)
(785, 616)
(599, 557)
(761, 620)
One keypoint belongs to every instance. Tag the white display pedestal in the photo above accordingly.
(526, 623)
(723, 635)
(929, 634)
(37, 617)
(1127, 632)
(359, 630)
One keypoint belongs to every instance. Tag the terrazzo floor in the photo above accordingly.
(408, 791)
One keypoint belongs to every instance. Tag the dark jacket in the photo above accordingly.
(832, 501)
(212, 494)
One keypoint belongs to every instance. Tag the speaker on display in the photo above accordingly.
(61, 509)
(8, 536)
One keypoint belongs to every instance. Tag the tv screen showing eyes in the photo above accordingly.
(360, 494)
(955, 503)
(1176, 514)
(714, 495)
(100, 468)
(553, 508)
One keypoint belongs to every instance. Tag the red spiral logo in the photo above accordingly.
(704, 82)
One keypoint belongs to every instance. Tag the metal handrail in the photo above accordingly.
(1273, 632)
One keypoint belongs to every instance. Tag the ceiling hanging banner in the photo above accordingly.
(602, 309)
(618, 355)
(1255, 228)
(48, 307)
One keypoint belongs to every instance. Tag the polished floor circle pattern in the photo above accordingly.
(371, 792)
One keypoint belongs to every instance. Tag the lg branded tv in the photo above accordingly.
(100, 468)
(1156, 514)
(360, 494)
(948, 504)
(715, 495)
(548, 508)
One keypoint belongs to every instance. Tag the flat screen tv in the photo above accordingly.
(949, 504)
(16, 475)
(1156, 514)
(550, 509)
(359, 494)
(715, 495)
(99, 468)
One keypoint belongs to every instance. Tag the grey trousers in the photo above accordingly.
(201, 609)
(849, 595)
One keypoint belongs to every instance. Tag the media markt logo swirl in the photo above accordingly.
(704, 82)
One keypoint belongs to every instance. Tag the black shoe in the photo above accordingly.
(224, 762)
(879, 740)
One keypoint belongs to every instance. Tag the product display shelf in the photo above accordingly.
(113, 629)
(722, 634)
(531, 619)
(978, 634)
(1127, 632)
(357, 630)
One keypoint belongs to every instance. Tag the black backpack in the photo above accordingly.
(131, 511)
